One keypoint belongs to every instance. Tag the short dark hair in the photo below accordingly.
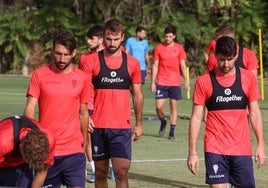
(114, 25)
(96, 30)
(140, 28)
(66, 39)
(226, 46)
(225, 30)
(35, 148)
(170, 29)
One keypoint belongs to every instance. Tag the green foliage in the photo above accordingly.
(26, 22)
(15, 34)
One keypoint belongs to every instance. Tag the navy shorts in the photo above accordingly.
(143, 75)
(67, 170)
(236, 170)
(107, 143)
(20, 176)
(172, 92)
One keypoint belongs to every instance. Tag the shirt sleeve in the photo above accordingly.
(250, 60)
(34, 86)
(202, 90)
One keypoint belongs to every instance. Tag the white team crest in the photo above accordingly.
(227, 91)
(113, 74)
(215, 168)
(96, 149)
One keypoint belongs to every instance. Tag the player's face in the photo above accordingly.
(94, 43)
(169, 38)
(225, 64)
(141, 35)
(112, 41)
(62, 57)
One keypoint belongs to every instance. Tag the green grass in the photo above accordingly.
(157, 162)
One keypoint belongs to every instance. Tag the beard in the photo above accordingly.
(226, 70)
(140, 38)
(61, 65)
(93, 48)
(112, 49)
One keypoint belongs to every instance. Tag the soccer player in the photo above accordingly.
(169, 65)
(27, 149)
(62, 93)
(227, 92)
(113, 73)
(138, 47)
(246, 58)
(95, 44)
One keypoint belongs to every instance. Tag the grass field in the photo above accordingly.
(157, 162)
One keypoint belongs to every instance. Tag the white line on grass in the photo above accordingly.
(11, 93)
(164, 160)
(160, 160)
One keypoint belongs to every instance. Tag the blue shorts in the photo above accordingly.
(143, 75)
(172, 92)
(236, 170)
(67, 170)
(20, 176)
(107, 143)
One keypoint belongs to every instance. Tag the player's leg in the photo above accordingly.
(161, 115)
(91, 179)
(120, 150)
(111, 171)
(173, 118)
(121, 167)
(160, 99)
(101, 173)
(174, 93)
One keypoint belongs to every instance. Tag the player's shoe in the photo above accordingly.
(91, 179)
(162, 128)
(171, 136)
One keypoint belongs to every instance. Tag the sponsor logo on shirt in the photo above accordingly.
(113, 78)
(229, 97)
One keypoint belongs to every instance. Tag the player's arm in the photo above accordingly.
(138, 99)
(257, 126)
(84, 122)
(154, 75)
(29, 109)
(194, 128)
(40, 177)
(148, 63)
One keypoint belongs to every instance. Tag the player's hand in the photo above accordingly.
(90, 125)
(259, 157)
(193, 163)
(153, 87)
(187, 87)
(137, 132)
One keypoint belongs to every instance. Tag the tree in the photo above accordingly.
(195, 21)
(15, 37)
